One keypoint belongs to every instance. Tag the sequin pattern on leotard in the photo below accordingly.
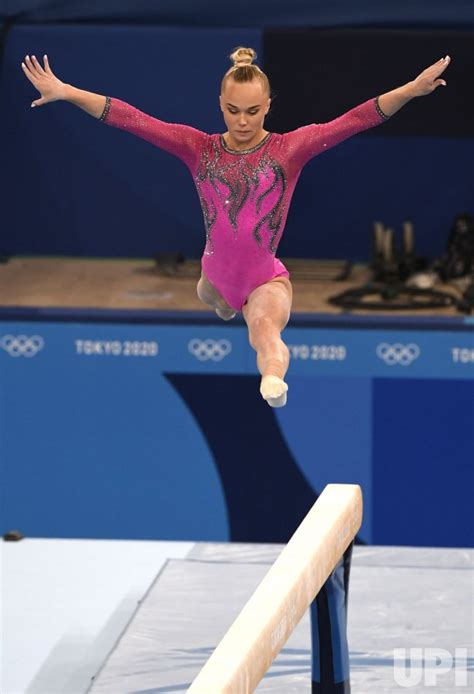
(239, 188)
(245, 195)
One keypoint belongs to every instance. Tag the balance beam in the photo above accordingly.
(267, 620)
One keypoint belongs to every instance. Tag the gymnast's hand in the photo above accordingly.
(45, 81)
(428, 80)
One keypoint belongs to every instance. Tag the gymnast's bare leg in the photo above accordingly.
(211, 297)
(266, 313)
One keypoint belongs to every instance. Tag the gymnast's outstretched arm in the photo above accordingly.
(310, 140)
(181, 140)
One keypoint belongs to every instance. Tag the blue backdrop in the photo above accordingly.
(129, 430)
(96, 191)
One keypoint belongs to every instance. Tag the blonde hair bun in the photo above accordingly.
(243, 56)
(242, 69)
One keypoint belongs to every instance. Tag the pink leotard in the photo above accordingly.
(245, 194)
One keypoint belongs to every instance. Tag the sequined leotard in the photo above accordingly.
(244, 194)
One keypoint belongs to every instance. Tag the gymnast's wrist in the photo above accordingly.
(92, 103)
(408, 90)
(68, 93)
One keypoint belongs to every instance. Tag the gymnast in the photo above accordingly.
(245, 179)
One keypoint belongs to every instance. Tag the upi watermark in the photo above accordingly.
(411, 666)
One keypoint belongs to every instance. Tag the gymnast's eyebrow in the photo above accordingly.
(249, 108)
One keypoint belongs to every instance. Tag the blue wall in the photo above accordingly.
(96, 191)
(129, 430)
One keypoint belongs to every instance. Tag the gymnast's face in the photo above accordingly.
(244, 106)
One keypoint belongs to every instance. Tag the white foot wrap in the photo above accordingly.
(225, 314)
(273, 390)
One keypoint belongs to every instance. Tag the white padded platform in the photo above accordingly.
(398, 598)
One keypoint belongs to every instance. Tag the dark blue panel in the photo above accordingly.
(423, 462)
(307, 320)
(337, 69)
(250, 13)
(267, 495)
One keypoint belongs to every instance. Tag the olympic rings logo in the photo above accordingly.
(205, 350)
(403, 355)
(21, 345)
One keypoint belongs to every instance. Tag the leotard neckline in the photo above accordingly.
(245, 151)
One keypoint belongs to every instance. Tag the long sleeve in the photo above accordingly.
(310, 140)
(182, 141)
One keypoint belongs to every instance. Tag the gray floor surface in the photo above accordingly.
(399, 598)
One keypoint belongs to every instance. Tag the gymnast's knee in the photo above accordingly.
(262, 328)
(203, 292)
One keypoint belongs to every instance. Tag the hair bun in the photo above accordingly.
(243, 56)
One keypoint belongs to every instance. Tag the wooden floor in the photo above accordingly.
(128, 284)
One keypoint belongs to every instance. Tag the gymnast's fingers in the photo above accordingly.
(439, 67)
(33, 66)
(38, 65)
(47, 66)
(29, 73)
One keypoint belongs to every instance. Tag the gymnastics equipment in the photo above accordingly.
(267, 620)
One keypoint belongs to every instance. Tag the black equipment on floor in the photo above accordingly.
(392, 267)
